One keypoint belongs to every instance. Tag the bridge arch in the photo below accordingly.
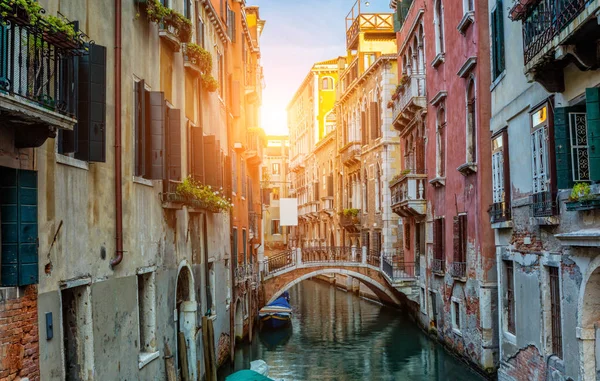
(385, 294)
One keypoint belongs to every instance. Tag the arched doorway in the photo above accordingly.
(590, 327)
(186, 306)
(239, 320)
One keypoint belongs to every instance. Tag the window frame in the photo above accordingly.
(438, 21)
(555, 311)
(471, 132)
(548, 125)
(510, 312)
(497, 41)
(441, 142)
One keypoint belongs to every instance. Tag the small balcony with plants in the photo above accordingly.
(198, 61)
(173, 27)
(37, 80)
(582, 198)
(195, 196)
(350, 220)
(408, 193)
(408, 100)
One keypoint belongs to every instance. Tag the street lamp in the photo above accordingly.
(367, 3)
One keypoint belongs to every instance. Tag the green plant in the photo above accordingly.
(210, 83)
(158, 13)
(200, 57)
(30, 7)
(580, 190)
(211, 199)
(59, 25)
(350, 212)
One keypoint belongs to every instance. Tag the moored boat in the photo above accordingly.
(277, 314)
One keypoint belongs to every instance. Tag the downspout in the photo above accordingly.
(118, 177)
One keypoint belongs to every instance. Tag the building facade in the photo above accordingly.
(275, 186)
(109, 251)
(544, 165)
(441, 112)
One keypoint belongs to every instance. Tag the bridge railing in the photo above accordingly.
(329, 254)
(280, 261)
(398, 270)
(374, 258)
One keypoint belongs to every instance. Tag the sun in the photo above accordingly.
(274, 118)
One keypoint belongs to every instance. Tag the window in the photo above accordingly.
(368, 60)
(231, 24)
(221, 74)
(539, 150)
(378, 190)
(19, 227)
(234, 248)
(365, 193)
(555, 311)
(456, 315)
(438, 242)
(147, 312)
(439, 27)
(500, 209)
(212, 286)
(497, 40)
(422, 300)
(366, 240)
(460, 243)
(497, 170)
(434, 313)
(200, 33)
(275, 227)
(471, 123)
(407, 236)
(275, 194)
(468, 6)
(234, 177)
(187, 9)
(327, 83)
(441, 143)
(140, 128)
(245, 245)
(510, 297)
(275, 169)
(374, 120)
(244, 179)
(579, 146)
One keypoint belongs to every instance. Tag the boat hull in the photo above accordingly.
(275, 321)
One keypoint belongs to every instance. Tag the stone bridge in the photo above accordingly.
(388, 276)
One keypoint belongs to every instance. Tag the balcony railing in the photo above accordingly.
(499, 212)
(437, 266)
(351, 153)
(329, 254)
(38, 64)
(350, 223)
(546, 19)
(367, 22)
(280, 261)
(297, 162)
(543, 204)
(398, 270)
(410, 99)
(458, 269)
(374, 258)
(408, 195)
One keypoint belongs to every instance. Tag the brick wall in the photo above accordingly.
(527, 364)
(19, 349)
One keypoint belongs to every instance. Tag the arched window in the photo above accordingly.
(441, 143)
(365, 192)
(438, 20)
(378, 189)
(327, 83)
(471, 123)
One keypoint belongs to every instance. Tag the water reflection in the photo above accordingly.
(338, 336)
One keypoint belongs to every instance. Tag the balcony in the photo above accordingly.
(499, 212)
(349, 76)
(556, 33)
(408, 195)
(327, 206)
(254, 153)
(37, 79)
(437, 266)
(350, 222)
(458, 270)
(410, 101)
(297, 163)
(543, 204)
(351, 153)
(379, 24)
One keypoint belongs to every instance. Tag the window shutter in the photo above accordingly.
(374, 111)
(156, 133)
(219, 165)
(500, 29)
(174, 144)
(506, 171)
(19, 227)
(330, 186)
(140, 128)
(456, 235)
(228, 175)
(197, 154)
(562, 148)
(592, 97)
(91, 124)
(210, 164)
(363, 127)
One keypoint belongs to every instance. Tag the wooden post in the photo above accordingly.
(185, 370)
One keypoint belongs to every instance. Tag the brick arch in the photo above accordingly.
(275, 286)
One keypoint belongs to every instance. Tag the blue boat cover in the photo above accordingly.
(280, 302)
(247, 375)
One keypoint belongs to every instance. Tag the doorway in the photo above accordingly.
(186, 325)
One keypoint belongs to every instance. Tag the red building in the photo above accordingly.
(442, 111)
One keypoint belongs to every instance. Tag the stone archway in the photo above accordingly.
(186, 306)
(589, 324)
(238, 329)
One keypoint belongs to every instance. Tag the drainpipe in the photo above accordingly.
(118, 178)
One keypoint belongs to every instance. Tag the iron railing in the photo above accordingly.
(329, 254)
(543, 204)
(499, 212)
(437, 266)
(351, 153)
(280, 261)
(38, 64)
(458, 269)
(545, 20)
(374, 258)
(398, 270)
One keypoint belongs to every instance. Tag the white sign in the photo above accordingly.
(288, 212)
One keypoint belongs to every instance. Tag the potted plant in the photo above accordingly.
(199, 56)
(22, 11)
(210, 83)
(201, 196)
(582, 198)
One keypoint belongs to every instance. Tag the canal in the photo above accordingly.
(336, 335)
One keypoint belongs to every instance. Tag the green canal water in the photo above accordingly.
(336, 335)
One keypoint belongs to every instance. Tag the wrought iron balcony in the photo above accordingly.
(297, 162)
(351, 153)
(350, 223)
(408, 195)
(499, 212)
(543, 204)
(437, 266)
(410, 100)
(458, 270)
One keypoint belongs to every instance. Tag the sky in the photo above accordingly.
(297, 34)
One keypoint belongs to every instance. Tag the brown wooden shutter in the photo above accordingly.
(436, 239)
(330, 186)
(363, 127)
(420, 155)
(197, 154)
(374, 113)
(227, 174)
(443, 237)
(140, 128)
(456, 239)
(156, 130)
(235, 98)
(174, 144)
(210, 161)
(463, 237)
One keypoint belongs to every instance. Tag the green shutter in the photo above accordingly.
(19, 229)
(592, 97)
(562, 144)
(397, 18)
(500, 31)
(156, 129)
(174, 144)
